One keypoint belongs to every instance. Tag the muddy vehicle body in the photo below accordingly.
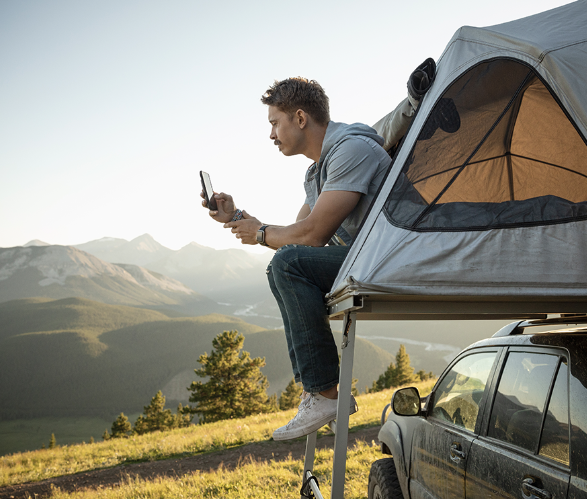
(507, 418)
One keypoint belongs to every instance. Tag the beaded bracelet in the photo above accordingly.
(237, 216)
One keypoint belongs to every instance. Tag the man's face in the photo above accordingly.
(286, 132)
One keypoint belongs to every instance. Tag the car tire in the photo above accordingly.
(383, 481)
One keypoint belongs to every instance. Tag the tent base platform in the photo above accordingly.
(383, 306)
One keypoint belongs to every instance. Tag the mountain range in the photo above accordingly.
(64, 271)
(227, 276)
(191, 281)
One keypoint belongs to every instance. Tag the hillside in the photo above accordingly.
(34, 315)
(63, 271)
(76, 357)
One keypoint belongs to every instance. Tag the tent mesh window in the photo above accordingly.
(497, 150)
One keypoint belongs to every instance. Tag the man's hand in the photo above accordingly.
(226, 208)
(245, 229)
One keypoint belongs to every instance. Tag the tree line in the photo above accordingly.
(236, 388)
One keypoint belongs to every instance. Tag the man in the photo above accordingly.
(349, 165)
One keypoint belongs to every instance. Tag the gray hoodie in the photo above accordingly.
(352, 159)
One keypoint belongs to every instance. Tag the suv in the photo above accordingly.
(507, 418)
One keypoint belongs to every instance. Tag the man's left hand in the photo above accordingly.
(245, 229)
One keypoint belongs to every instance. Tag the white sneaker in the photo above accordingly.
(314, 412)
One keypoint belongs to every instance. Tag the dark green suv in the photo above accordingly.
(507, 418)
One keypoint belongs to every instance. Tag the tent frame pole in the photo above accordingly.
(344, 403)
(341, 424)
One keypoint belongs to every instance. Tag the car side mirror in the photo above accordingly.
(406, 402)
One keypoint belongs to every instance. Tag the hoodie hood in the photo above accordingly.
(337, 132)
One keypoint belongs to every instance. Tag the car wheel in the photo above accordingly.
(383, 481)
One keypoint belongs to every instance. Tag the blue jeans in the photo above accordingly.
(299, 277)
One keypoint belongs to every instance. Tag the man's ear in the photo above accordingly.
(301, 118)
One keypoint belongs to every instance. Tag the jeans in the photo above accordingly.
(299, 277)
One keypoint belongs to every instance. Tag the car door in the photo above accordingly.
(523, 451)
(442, 441)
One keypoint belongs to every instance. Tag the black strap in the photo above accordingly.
(306, 490)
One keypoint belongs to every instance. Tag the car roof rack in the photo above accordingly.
(519, 327)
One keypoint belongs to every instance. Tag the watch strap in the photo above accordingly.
(261, 235)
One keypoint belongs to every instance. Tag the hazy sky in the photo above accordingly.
(109, 109)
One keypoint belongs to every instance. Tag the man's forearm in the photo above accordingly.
(298, 233)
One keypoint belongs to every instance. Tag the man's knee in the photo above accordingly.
(284, 257)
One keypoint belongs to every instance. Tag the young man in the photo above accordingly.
(349, 165)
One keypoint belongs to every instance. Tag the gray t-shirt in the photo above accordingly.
(352, 159)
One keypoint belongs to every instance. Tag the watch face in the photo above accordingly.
(260, 236)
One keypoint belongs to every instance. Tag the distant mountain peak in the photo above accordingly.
(36, 242)
(109, 239)
(194, 244)
(145, 237)
(147, 243)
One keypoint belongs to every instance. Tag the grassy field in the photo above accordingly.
(250, 480)
(66, 460)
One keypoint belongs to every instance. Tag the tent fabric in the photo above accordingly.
(488, 194)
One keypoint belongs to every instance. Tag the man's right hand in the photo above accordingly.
(226, 208)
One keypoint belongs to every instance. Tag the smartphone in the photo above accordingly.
(208, 191)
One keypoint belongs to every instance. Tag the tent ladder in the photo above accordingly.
(341, 425)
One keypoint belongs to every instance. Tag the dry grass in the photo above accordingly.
(260, 478)
(250, 480)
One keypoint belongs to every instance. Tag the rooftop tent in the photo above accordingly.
(487, 195)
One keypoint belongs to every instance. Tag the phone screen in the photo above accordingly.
(208, 191)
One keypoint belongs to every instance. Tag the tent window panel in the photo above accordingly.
(533, 179)
(514, 159)
(544, 133)
(474, 104)
(485, 182)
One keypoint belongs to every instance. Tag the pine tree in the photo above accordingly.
(105, 435)
(121, 427)
(398, 374)
(354, 389)
(404, 372)
(290, 398)
(91, 440)
(386, 380)
(236, 386)
(156, 417)
(423, 376)
(183, 417)
(52, 442)
(273, 403)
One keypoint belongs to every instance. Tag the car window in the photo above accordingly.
(554, 442)
(520, 398)
(457, 397)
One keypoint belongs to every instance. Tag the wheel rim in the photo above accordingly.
(377, 492)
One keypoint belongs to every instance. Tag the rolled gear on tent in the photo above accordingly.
(394, 126)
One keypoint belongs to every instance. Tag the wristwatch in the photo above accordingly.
(261, 235)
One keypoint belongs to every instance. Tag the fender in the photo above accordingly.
(391, 435)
